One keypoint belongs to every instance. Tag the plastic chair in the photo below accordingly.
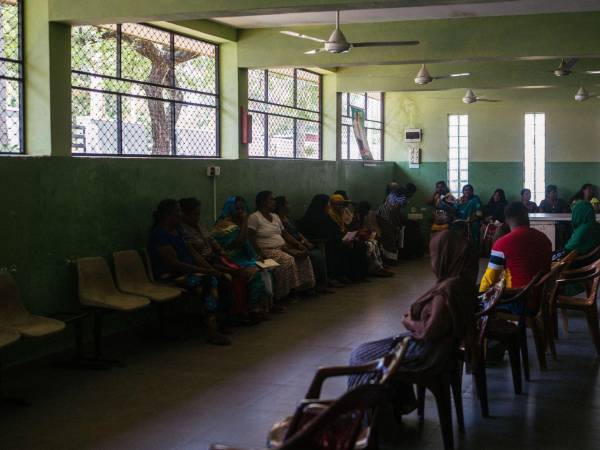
(8, 337)
(332, 424)
(97, 291)
(589, 276)
(14, 315)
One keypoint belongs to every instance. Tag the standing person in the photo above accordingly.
(469, 212)
(231, 233)
(317, 258)
(526, 200)
(268, 236)
(236, 278)
(175, 262)
(389, 219)
(587, 193)
(518, 256)
(552, 204)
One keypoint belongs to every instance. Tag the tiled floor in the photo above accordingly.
(185, 394)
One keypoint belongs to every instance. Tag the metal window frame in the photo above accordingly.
(346, 115)
(172, 85)
(265, 101)
(535, 152)
(459, 180)
(20, 62)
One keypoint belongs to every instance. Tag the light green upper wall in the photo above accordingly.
(496, 130)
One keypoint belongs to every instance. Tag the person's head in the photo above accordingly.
(234, 209)
(190, 209)
(410, 189)
(551, 192)
(282, 206)
(392, 186)
(337, 203)
(363, 208)
(587, 192)
(344, 194)
(526, 195)
(441, 188)
(167, 213)
(468, 190)
(318, 206)
(498, 196)
(265, 201)
(516, 215)
(582, 213)
(451, 256)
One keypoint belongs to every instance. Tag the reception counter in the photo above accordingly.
(548, 224)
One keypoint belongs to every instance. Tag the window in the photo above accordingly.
(458, 152)
(286, 113)
(11, 77)
(142, 91)
(535, 155)
(372, 103)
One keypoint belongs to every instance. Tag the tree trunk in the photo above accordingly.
(160, 122)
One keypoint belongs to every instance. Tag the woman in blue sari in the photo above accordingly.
(231, 233)
(469, 212)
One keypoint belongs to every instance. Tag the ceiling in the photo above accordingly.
(504, 8)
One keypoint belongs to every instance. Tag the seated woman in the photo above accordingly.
(552, 204)
(437, 321)
(269, 238)
(444, 207)
(317, 258)
(494, 219)
(174, 261)
(231, 235)
(238, 279)
(586, 232)
(526, 200)
(343, 262)
(366, 226)
(587, 193)
(469, 214)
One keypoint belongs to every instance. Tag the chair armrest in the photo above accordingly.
(566, 281)
(314, 391)
(227, 447)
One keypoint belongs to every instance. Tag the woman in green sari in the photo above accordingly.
(586, 231)
(231, 234)
(469, 212)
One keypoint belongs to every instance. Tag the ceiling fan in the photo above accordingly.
(423, 76)
(566, 65)
(470, 97)
(582, 95)
(337, 42)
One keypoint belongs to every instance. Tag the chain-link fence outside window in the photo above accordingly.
(11, 77)
(372, 103)
(285, 105)
(142, 91)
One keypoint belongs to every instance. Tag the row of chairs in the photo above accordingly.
(345, 424)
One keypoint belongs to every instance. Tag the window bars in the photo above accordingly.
(372, 103)
(141, 91)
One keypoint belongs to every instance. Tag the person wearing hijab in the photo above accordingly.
(389, 219)
(586, 230)
(587, 193)
(437, 321)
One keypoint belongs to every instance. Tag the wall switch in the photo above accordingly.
(213, 171)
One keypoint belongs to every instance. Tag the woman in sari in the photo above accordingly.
(436, 323)
(469, 213)
(443, 203)
(231, 234)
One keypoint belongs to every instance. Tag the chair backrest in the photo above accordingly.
(148, 264)
(488, 301)
(94, 279)
(11, 306)
(129, 269)
(338, 425)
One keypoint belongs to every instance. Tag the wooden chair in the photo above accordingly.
(589, 276)
(381, 371)
(97, 292)
(332, 424)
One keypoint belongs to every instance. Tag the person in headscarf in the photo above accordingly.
(437, 321)
(365, 224)
(231, 233)
(318, 224)
(389, 218)
(586, 230)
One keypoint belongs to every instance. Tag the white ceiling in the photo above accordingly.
(505, 8)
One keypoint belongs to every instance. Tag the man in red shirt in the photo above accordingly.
(519, 255)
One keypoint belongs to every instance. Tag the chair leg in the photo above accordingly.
(97, 357)
(565, 320)
(540, 343)
(525, 354)
(441, 391)
(515, 366)
(456, 385)
(591, 315)
(14, 401)
(421, 402)
(480, 377)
